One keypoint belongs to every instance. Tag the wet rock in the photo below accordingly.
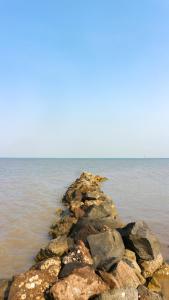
(62, 227)
(4, 288)
(79, 254)
(53, 265)
(138, 237)
(106, 248)
(32, 284)
(150, 266)
(119, 294)
(122, 276)
(80, 285)
(56, 247)
(145, 294)
(160, 281)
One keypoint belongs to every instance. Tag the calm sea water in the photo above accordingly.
(31, 190)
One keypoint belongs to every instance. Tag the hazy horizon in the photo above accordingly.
(84, 79)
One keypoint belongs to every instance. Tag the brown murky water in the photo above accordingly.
(31, 189)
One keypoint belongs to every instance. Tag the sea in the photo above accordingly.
(31, 190)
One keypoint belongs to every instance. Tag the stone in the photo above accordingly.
(106, 248)
(160, 281)
(122, 276)
(79, 254)
(138, 238)
(62, 227)
(56, 247)
(53, 265)
(82, 284)
(145, 294)
(119, 294)
(4, 288)
(103, 210)
(150, 266)
(33, 284)
(130, 259)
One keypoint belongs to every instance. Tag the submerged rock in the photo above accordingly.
(138, 237)
(106, 248)
(82, 284)
(119, 294)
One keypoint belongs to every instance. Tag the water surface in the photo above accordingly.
(31, 189)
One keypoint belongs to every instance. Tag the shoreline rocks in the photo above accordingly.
(92, 254)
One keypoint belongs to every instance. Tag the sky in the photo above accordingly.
(84, 78)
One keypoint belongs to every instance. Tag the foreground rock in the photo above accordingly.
(80, 285)
(160, 281)
(145, 294)
(4, 288)
(119, 294)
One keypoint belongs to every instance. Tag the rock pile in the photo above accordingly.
(93, 255)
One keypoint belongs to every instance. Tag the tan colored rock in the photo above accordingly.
(160, 281)
(56, 247)
(79, 254)
(53, 265)
(31, 285)
(80, 285)
(150, 266)
(62, 227)
(122, 276)
(146, 294)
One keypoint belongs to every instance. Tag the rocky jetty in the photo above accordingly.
(92, 254)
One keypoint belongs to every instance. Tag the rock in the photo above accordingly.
(160, 281)
(80, 285)
(130, 259)
(62, 227)
(122, 276)
(79, 254)
(70, 267)
(106, 248)
(4, 288)
(53, 265)
(32, 284)
(138, 237)
(106, 209)
(56, 247)
(82, 229)
(150, 266)
(119, 294)
(145, 294)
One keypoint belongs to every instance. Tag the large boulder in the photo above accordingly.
(31, 285)
(122, 276)
(138, 237)
(106, 248)
(150, 266)
(105, 209)
(80, 285)
(119, 294)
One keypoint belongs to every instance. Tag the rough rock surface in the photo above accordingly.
(80, 285)
(119, 294)
(79, 254)
(150, 266)
(138, 237)
(145, 294)
(160, 281)
(4, 288)
(122, 276)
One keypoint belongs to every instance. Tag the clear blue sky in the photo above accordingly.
(84, 78)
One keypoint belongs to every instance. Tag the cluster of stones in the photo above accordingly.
(93, 255)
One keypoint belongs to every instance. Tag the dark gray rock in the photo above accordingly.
(106, 209)
(119, 294)
(146, 294)
(106, 248)
(138, 237)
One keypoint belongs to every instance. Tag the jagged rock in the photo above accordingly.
(106, 209)
(150, 266)
(138, 237)
(56, 247)
(62, 227)
(4, 288)
(160, 281)
(119, 294)
(122, 276)
(106, 248)
(130, 258)
(145, 294)
(80, 285)
(53, 265)
(70, 267)
(79, 254)
(87, 183)
(32, 284)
